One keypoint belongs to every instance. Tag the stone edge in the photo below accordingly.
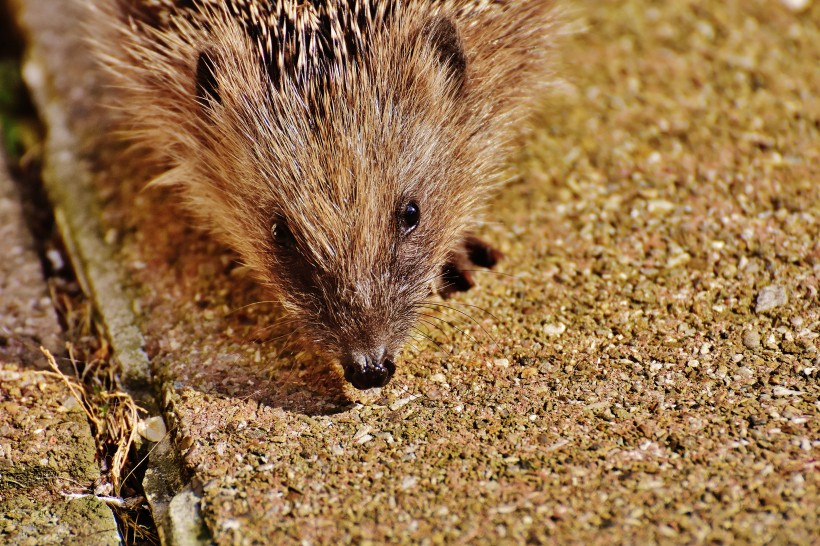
(177, 516)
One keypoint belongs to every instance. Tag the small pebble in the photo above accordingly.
(555, 329)
(398, 404)
(55, 258)
(770, 297)
(659, 206)
(104, 489)
(783, 391)
(796, 5)
(751, 339)
(152, 429)
(364, 431)
(409, 482)
(71, 403)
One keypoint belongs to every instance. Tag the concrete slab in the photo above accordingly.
(652, 373)
(48, 465)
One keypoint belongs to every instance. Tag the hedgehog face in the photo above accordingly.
(366, 197)
(357, 302)
(353, 275)
(350, 191)
(353, 258)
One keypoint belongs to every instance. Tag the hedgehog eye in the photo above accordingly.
(282, 235)
(409, 217)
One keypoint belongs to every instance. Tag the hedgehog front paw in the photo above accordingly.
(457, 273)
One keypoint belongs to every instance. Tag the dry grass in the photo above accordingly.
(113, 416)
(111, 412)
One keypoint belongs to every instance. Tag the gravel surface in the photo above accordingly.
(600, 389)
(48, 465)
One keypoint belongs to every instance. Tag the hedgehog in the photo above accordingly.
(345, 149)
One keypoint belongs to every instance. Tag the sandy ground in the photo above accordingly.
(642, 369)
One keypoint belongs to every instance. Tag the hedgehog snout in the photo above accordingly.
(370, 369)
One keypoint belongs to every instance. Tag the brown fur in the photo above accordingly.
(414, 101)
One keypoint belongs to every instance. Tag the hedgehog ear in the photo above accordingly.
(442, 34)
(207, 88)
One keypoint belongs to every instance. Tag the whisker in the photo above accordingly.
(286, 335)
(432, 340)
(488, 334)
(485, 359)
(275, 324)
(492, 272)
(493, 341)
(259, 333)
(434, 325)
(450, 324)
(466, 305)
(249, 305)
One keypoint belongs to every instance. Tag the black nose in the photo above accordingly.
(367, 371)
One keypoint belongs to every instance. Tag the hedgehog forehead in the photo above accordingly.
(340, 197)
(355, 148)
(345, 207)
